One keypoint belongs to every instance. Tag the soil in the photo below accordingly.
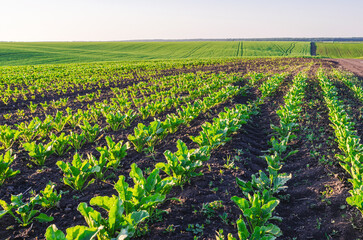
(353, 65)
(307, 212)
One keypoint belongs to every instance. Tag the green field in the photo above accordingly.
(340, 50)
(35, 53)
(290, 49)
(74, 52)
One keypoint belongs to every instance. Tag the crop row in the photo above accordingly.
(350, 80)
(144, 138)
(23, 84)
(138, 94)
(259, 201)
(31, 82)
(117, 111)
(348, 141)
(133, 205)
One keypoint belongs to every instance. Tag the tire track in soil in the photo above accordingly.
(312, 48)
(306, 213)
(239, 43)
(241, 49)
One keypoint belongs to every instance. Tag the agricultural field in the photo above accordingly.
(17, 53)
(183, 149)
(340, 50)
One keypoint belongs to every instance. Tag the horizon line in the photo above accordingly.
(310, 39)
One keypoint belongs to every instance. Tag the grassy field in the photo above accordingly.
(12, 54)
(276, 49)
(340, 50)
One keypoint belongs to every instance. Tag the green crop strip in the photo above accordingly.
(259, 202)
(349, 80)
(347, 139)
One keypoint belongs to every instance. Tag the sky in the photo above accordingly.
(113, 20)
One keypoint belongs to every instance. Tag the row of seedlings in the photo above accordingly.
(348, 141)
(259, 201)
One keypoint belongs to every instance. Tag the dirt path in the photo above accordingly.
(353, 65)
(312, 49)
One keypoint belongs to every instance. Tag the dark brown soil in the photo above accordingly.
(352, 65)
(314, 205)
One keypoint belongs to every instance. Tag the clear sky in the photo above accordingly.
(108, 20)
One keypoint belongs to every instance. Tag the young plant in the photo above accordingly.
(118, 224)
(75, 118)
(115, 120)
(101, 162)
(5, 171)
(146, 136)
(257, 211)
(49, 197)
(60, 121)
(114, 152)
(28, 131)
(172, 123)
(146, 194)
(77, 233)
(45, 105)
(38, 152)
(181, 166)
(23, 212)
(77, 140)
(211, 136)
(8, 136)
(60, 144)
(75, 174)
(130, 116)
(90, 132)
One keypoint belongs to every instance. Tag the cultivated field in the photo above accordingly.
(12, 54)
(340, 50)
(187, 149)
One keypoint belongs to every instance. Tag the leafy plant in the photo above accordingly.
(23, 212)
(77, 140)
(211, 136)
(146, 136)
(60, 144)
(114, 152)
(38, 152)
(118, 224)
(146, 193)
(172, 123)
(181, 166)
(90, 132)
(60, 121)
(49, 197)
(115, 120)
(5, 162)
(45, 105)
(28, 131)
(8, 136)
(75, 118)
(257, 211)
(77, 173)
(100, 162)
(75, 233)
